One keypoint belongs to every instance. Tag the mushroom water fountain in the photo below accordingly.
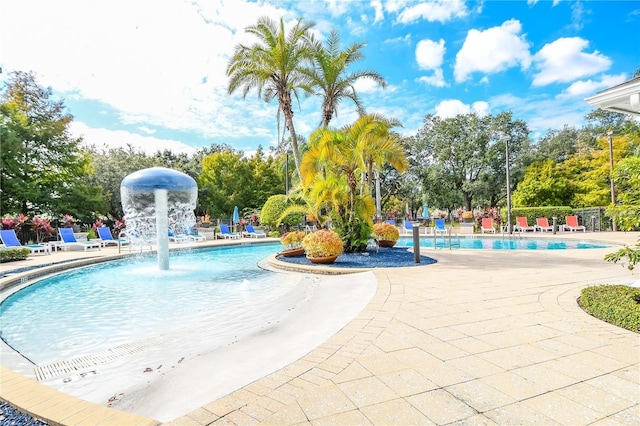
(151, 200)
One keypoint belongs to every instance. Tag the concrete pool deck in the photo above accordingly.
(481, 337)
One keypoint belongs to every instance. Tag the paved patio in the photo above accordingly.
(481, 337)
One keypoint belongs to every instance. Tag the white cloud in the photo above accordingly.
(591, 87)
(492, 51)
(379, 13)
(429, 56)
(156, 63)
(106, 139)
(436, 10)
(452, 107)
(563, 61)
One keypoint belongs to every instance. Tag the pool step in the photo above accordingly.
(84, 362)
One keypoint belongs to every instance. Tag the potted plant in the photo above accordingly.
(385, 234)
(467, 217)
(205, 221)
(322, 246)
(292, 243)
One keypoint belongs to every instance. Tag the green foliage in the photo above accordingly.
(356, 236)
(274, 207)
(42, 167)
(542, 185)
(230, 179)
(626, 175)
(462, 159)
(616, 304)
(531, 213)
(628, 256)
(13, 254)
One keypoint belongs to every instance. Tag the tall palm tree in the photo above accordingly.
(330, 74)
(273, 67)
(344, 154)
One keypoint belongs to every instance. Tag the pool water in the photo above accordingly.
(489, 243)
(91, 309)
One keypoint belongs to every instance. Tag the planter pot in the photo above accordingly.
(298, 251)
(386, 243)
(468, 220)
(205, 225)
(326, 259)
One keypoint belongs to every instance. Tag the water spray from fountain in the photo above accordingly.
(152, 200)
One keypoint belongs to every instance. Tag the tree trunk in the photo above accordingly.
(285, 102)
(467, 201)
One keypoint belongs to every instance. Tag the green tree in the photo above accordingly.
(466, 154)
(42, 167)
(331, 75)
(336, 158)
(543, 185)
(273, 67)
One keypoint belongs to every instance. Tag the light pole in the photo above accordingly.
(506, 139)
(613, 192)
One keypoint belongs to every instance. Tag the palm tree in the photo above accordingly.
(344, 154)
(273, 67)
(331, 76)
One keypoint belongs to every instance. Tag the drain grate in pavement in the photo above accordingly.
(83, 362)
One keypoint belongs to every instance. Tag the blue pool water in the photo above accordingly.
(91, 309)
(489, 243)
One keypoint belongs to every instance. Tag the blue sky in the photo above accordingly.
(152, 73)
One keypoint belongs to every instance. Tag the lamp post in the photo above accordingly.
(613, 192)
(506, 139)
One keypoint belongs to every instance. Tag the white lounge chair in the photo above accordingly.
(10, 239)
(487, 225)
(522, 225)
(542, 224)
(571, 224)
(224, 231)
(191, 234)
(69, 240)
(251, 232)
(105, 237)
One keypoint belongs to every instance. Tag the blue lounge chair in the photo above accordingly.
(105, 237)
(177, 238)
(191, 234)
(439, 227)
(69, 240)
(251, 232)
(9, 239)
(224, 231)
(408, 228)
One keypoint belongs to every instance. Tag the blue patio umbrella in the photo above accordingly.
(236, 216)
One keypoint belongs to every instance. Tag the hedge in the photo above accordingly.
(616, 304)
(13, 254)
(531, 213)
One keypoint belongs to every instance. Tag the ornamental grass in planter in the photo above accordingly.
(321, 244)
(385, 234)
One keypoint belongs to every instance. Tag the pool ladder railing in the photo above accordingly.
(450, 232)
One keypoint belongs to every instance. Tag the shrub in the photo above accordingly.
(273, 209)
(616, 304)
(385, 231)
(13, 254)
(292, 240)
(322, 243)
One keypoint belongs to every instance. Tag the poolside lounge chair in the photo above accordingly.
(177, 238)
(439, 227)
(251, 232)
(487, 225)
(408, 228)
(571, 224)
(522, 225)
(224, 231)
(69, 240)
(10, 239)
(542, 224)
(105, 237)
(191, 235)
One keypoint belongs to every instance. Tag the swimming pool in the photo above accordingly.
(109, 305)
(497, 243)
